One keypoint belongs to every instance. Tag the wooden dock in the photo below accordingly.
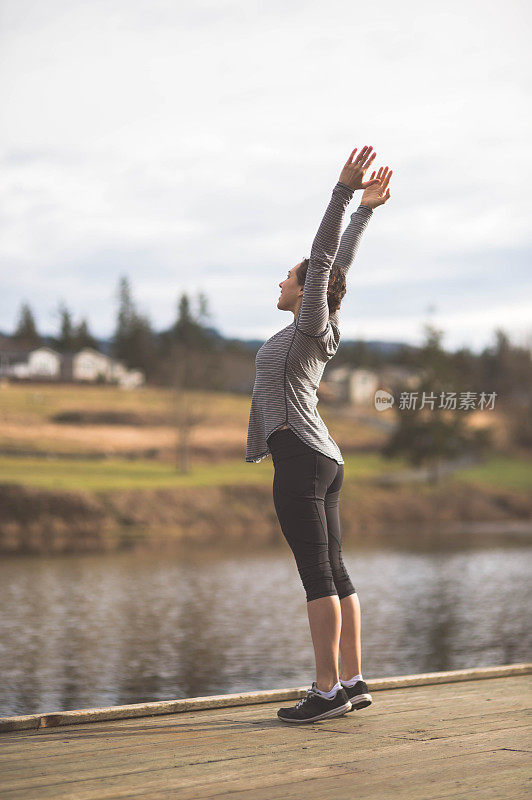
(460, 734)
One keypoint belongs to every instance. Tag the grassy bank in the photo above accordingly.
(112, 474)
(218, 511)
(511, 473)
(116, 474)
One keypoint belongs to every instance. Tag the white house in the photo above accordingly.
(90, 365)
(87, 365)
(43, 362)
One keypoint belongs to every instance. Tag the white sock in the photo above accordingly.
(330, 695)
(352, 681)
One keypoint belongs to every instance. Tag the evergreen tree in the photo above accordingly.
(65, 341)
(26, 329)
(431, 435)
(185, 328)
(133, 341)
(122, 341)
(203, 314)
(189, 329)
(82, 336)
(507, 370)
(142, 345)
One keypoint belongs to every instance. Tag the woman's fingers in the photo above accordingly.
(385, 176)
(349, 160)
(365, 165)
(372, 156)
(362, 155)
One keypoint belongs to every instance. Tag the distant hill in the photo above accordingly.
(373, 345)
(383, 348)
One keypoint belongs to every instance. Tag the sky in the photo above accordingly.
(194, 146)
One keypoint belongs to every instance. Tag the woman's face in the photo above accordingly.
(290, 290)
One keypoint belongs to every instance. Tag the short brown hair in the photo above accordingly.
(336, 288)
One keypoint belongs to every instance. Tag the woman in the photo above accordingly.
(309, 467)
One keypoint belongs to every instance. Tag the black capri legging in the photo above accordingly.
(306, 495)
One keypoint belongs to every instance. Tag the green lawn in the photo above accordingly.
(109, 474)
(508, 473)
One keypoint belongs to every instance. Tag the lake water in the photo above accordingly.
(99, 630)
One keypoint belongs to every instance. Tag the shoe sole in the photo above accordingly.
(334, 712)
(360, 701)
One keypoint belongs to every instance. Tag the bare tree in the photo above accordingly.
(191, 372)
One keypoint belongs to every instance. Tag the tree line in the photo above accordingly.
(188, 353)
(191, 353)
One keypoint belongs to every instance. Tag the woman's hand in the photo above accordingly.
(378, 193)
(354, 170)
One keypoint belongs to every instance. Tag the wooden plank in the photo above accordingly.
(440, 739)
(428, 769)
(81, 716)
(398, 710)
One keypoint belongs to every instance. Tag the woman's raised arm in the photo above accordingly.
(373, 196)
(313, 315)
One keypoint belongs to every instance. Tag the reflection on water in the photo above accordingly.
(88, 631)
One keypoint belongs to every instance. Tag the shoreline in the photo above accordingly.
(48, 522)
(82, 716)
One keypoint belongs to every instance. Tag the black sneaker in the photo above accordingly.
(358, 695)
(314, 706)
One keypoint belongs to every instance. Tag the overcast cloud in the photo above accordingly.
(194, 145)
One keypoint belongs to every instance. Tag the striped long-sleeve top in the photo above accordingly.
(290, 365)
